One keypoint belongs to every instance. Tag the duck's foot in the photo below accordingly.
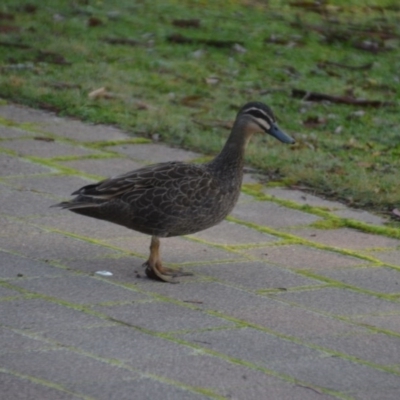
(158, 272)
(155, 269)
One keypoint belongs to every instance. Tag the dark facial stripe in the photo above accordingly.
(258, 113)
(260, 117)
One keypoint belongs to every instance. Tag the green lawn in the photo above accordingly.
(185, 90)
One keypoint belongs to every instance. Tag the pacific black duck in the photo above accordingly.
(176, 198)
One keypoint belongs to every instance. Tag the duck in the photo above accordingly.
(177, 198)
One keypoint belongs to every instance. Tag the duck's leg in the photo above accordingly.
(154, 267)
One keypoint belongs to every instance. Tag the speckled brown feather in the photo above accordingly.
(168, 199)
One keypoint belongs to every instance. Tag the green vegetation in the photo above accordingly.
(53, 54)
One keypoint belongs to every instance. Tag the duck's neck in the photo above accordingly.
(229, 162)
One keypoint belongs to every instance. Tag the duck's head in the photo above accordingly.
(258, 117)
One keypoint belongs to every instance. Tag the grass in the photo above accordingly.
(54, 53)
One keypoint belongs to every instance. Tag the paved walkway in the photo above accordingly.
(278, 308)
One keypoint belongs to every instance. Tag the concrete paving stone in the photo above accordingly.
(254, 275)
(13, 342)
(10, 165)
(254, 346)
(390, 257)
(12, 227)
(210, 295)
(245, 198)
(303, 198)
(301, 362)
(80, 289)
(174, 250)
(105, 167)
(67, 127)
(346, 238)
(43, 149)
(296, 322)
(143, 388)
(16, 388)
(383, 280)
(338, 301)
(8, 132)
(55, 185)
(377, 348)
(67, 221)
(303, 257)
(124, 269)
(22, 114)
(251, 178)
(229, 233)
(272, 215)
(157, 356)
(40, 315)
(164, 316)
(386, 322)
(6, 292)
(41, 245)
(22, 203)
(276, 392)
(361, 215)
(75, 372)
(81, 131)
(354, 380)
(153, 153)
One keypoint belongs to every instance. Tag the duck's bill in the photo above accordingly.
(280, 135)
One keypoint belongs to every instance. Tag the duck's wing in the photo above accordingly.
(174, 176)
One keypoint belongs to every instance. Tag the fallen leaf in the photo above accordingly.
(314, 121)
(191, 101)
(16, 45)
(372, 46)
(51, 58)
(291, 71)
(122, 41)
(314, 6)
(187, 23)
(323, 64)
(293, 41)
(396, 213)
(212, 80)
(97, 93)
(239, 48)
(141, 105)
(365, 164)
(9, 28)
(94, 21)
(356, 114)
(58, 18)
(314, 96)
(338, 130)
(29, 8)
(198, 53)
(181, 39)
(21, 66)
(6, 16)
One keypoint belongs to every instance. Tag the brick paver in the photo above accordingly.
(276, 308)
